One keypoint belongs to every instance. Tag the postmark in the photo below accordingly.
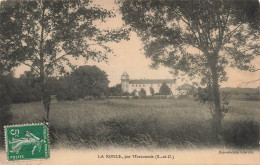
(26, 142)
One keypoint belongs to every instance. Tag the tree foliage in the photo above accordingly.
(165, 89)
(5, 102)
(199, 38)
(133, 93)
(45, 35)
(184, 35)
(205, 96)
(151, 91)
(88, 81)
(115, 90)
(142, 93)
(25, 89)
(84, 81)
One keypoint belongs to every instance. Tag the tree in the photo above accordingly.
(25, 89)
(6, 74)
(7, 62)
(115, 90)
(88, 81)
(142, 93)
(133, 93)
(164, 89)
(5, 101)
(200, 38)
(152, 91)
(45, 35)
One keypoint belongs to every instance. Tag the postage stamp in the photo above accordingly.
(25, 142)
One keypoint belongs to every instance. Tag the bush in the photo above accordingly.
(125, 94)
(158, 93)
(183, 97)
(242, 134)
(133, 93)
(142, 93)
(165, 89)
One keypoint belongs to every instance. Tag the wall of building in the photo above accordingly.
(146, 87)
(182, 91)
(131, 85)
(125, 86)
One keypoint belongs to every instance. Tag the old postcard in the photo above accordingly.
(129, 82)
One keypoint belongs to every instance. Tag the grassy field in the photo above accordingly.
(136, 123)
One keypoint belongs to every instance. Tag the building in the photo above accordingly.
(184, 89)
(129, 85)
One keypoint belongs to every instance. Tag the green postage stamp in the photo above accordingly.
(25, 142)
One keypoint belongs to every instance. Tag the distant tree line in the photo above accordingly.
(88, 82)
(85, 81)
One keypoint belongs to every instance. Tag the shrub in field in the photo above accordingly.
(125, 94)
(183, 97)
(152, 91)
(164, 89)
(115, 90)
(242, 134)
(206, 96)
(142, 93)
(133, 93)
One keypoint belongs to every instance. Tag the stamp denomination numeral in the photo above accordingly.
(14, 131)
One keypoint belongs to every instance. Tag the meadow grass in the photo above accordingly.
(166, 123)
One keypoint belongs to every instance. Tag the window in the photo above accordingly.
(143, 85)
(139, 85)
(133, 85)
(158, 85)
(136, 85)
(151, 85)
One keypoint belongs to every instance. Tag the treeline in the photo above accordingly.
(85, 81)
(243, 93)
(89, 82)
(24, 89)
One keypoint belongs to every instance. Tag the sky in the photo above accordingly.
(128, 56)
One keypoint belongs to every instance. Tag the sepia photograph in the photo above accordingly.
(129, 82)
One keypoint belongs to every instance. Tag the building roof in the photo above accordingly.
(152, 81)
(125, 74)
(185, 87)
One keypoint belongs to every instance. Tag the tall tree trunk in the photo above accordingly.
(44, 94)
(217, 116)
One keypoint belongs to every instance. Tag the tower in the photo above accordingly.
(125, 81)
